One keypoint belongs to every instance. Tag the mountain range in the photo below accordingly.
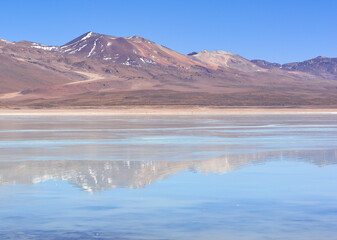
(100, 70)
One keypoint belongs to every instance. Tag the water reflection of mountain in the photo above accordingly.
(103, 175)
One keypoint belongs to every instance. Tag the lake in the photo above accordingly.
(232, 177)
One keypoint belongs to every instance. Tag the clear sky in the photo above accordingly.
(277, 31)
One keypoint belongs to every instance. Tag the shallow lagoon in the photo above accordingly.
(156, 177)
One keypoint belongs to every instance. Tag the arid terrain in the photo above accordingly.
(96, 70)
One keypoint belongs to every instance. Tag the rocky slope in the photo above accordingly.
(222, 59)
(266, 64)
(320, 66)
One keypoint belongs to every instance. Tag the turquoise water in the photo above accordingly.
(214, 177)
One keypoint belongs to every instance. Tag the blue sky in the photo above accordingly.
(277, 31)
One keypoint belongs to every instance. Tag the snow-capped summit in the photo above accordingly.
(132, 51)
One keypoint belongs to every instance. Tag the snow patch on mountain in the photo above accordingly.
(44, 47)
(93, 48)
(87, 36)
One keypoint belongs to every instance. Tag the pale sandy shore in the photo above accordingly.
(163, 111)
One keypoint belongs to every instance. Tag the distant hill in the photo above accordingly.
(320, 66)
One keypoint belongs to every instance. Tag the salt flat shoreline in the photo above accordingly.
(163, 111)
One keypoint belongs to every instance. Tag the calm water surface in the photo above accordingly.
(173, 177)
